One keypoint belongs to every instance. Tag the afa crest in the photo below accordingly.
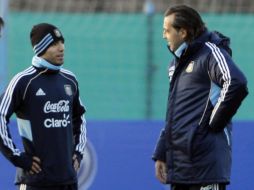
(190, 67)
(68, 90)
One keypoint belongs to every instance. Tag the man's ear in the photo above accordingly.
(183, 33)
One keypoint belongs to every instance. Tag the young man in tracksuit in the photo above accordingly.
(50, 117)
(206, 89)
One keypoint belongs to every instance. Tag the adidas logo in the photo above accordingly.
(40, 92)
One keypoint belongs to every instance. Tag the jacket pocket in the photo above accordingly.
(202, 143)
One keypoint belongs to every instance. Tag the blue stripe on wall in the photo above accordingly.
(124, 151)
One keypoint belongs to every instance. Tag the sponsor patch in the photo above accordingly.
(58, 107)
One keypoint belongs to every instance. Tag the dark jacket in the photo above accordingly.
(50, 121)
(206, 89)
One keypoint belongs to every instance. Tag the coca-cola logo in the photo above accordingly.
(61, 106)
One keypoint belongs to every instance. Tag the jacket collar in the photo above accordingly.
(194, 46)
(180, 49)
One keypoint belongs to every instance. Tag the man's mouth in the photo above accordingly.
(60, 56)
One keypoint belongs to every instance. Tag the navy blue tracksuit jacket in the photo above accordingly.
(206, 89)
(50, 122)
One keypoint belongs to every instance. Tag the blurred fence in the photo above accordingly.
(109, 53)
(130, 6)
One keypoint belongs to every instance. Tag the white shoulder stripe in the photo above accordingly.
(11, 87)
(219, 57)
(67, 72)
(4, 106)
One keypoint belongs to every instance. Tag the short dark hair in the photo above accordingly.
(1, 22)
(186, 18)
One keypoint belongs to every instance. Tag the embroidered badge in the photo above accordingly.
(68, 89)
(189, 68)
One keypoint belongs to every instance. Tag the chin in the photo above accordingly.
(60, 62)
(172, 49)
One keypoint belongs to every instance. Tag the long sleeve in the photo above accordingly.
(79, 124)
(233, 84)
(9, 102)
(160, 149)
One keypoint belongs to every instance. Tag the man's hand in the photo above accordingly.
(161, 171)
(76, 163)
(36, 166)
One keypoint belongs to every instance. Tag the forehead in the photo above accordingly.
(168, 21)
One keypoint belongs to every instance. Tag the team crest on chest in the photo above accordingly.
(68, 90)
(189, 68)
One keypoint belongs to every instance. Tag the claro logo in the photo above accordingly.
(52, 122)
(61, 106)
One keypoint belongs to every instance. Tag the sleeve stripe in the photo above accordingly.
(82, 137)
(5, 103)
(80, 147)
(225, 75)
(220, 59)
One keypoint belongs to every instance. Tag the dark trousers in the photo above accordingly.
(198, 187)
(60, 187)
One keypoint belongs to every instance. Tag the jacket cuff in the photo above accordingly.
(79, 156)
(23, 161)
(160, 157)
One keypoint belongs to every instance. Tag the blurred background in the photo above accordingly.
(116, 50)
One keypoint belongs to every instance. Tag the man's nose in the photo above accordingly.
(163, 35)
